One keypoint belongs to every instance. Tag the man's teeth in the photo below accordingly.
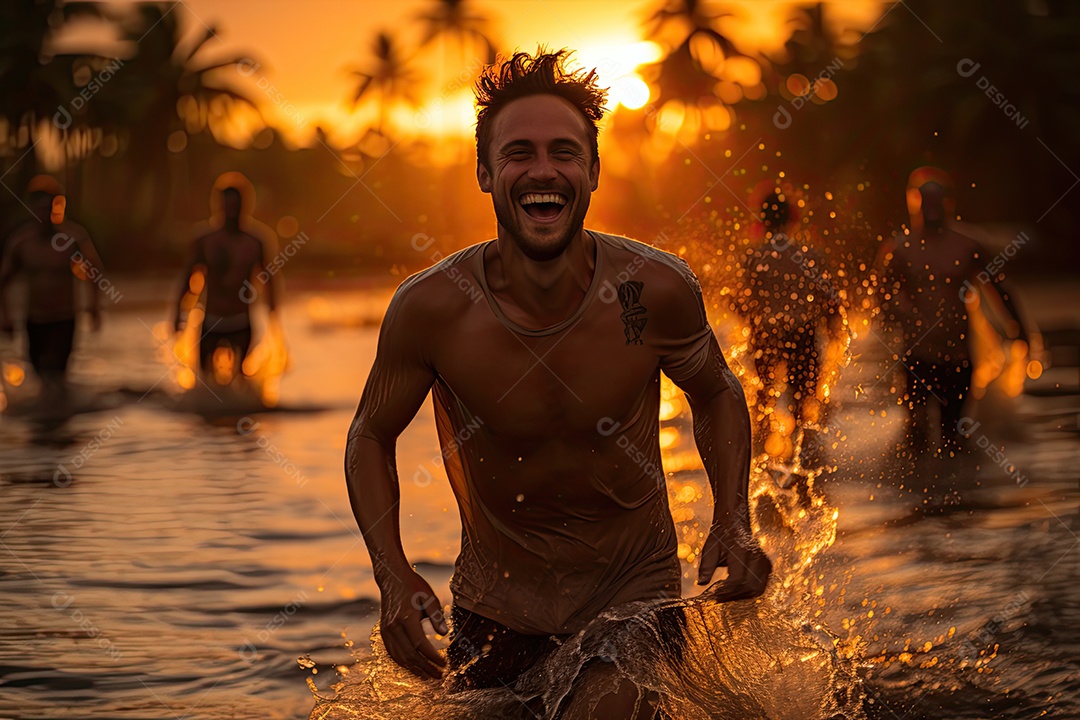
(530, 198)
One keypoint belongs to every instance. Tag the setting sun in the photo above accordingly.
(616, 65)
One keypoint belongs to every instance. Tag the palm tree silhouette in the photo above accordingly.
(170, 82)
(457, 21)
(387, 77)
(36, 84)
(938, 111)
(465, 44)
(169, 86)
(689, 73)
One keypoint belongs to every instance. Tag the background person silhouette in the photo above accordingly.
(53, 254)
(228, 261)
(792, 308)
(938, 276)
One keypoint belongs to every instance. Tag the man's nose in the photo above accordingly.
(542, 168)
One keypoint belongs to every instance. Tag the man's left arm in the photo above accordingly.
(997, 293)
(722, 434)
(270, 284)
(93, 272)
(692, 358)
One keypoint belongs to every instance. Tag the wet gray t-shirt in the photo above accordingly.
(550, 436)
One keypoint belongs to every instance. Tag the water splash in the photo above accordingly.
(771, 657)
(255, 383)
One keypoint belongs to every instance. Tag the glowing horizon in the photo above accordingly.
(303, 84)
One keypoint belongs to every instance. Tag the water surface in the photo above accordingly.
(182, 563)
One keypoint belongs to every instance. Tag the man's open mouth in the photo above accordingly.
(543, 206)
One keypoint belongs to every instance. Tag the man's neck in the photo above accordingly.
(540, 293)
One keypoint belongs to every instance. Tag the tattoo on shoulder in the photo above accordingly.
(633, 315)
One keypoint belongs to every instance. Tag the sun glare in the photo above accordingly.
(616, 65)
(443, 116)
(451, 115)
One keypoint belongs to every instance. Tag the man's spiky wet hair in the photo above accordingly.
(545, 73)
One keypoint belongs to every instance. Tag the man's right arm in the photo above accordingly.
(400, 379)
(997, 294)
(194, 257)
(9, 268)
(93, 269)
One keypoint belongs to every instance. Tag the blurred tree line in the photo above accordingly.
(138, 138)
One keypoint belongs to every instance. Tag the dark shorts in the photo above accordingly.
(487, 654)
(50, 347)
(238, 340)
(948, 383)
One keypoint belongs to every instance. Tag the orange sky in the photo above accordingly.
(306, 54)
(305, 48)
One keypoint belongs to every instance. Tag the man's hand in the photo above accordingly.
(713, 556)
(748, 566)
(7, 328)
(405, 603)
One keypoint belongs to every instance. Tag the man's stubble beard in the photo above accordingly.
(508, 220)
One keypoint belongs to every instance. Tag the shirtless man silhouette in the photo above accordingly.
(52, 252)
(231, 258)
(546, 391)
(791, 306)
(937, 271)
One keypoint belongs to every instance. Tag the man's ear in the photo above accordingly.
(594, 174)
(483, 177)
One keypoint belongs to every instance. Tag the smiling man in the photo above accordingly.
(546, 389)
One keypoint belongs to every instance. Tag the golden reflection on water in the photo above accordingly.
(262, 369)
(267, 362)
